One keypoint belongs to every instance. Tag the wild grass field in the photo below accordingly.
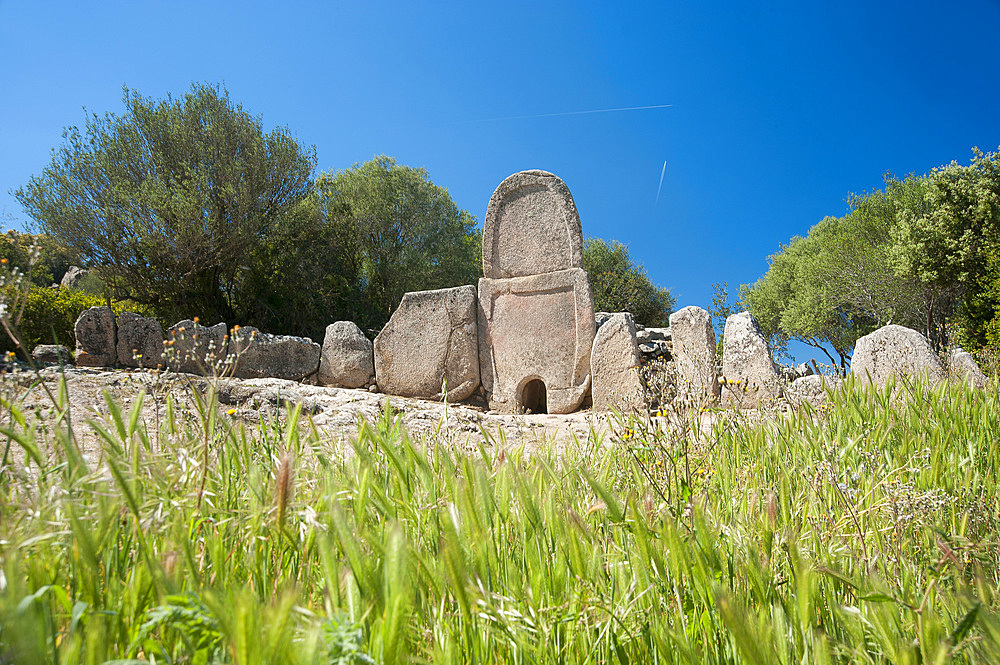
(862, 532)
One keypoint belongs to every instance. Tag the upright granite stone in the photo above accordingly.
(536, 312)
(614, 367)
(346, 360)
(140, 341)
(747, 366)
(895, 350)
(259, 355)
(95, 337)
(196, 349)
(694, 353)
(963, 367)
(428, 348)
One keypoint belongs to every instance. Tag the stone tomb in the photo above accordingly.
(536, 312)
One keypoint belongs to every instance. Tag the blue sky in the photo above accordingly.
(779, 110)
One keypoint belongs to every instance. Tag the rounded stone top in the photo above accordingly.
(531, 227)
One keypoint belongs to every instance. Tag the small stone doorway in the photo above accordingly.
(533, 397)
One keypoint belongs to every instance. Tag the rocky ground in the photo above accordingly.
(335, 412)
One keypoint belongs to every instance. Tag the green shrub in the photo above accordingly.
(49, 316)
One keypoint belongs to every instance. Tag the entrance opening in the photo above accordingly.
(533, 397)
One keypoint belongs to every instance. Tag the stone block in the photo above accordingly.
(963, 367)
(895, 350)
(196, 349)
(52, 353)
(812, 389)
(95, 337)
(140, 341)
(747, 360)
(259, 355)
(346, 360)
(694, 353)
(429, 346)
(615, 365)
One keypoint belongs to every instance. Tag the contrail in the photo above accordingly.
(555, 115)
(662, 173)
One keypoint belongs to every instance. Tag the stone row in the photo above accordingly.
(526, 339)
(131, 340)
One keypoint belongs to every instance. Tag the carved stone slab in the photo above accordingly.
(536, 333)
(531, 227)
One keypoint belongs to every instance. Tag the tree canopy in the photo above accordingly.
(408, 233)
(174, 200)
(51, 264)
(619, 284)
(922, 253)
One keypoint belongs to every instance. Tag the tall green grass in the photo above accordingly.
(862, 533)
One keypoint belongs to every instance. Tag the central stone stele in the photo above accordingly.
(536, 312)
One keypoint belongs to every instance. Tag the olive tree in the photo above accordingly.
(173, 200)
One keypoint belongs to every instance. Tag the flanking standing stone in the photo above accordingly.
(196, 349)
(747, 365)
(346, 360)
(52, 353)
(429, 346)
(95, 337)
(895, 350)
(614, 367)
(536, 312)
(140, 341)
(260, 355)
(963, 367)
(694, 353)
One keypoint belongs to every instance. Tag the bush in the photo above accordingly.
(50, 263)
(49, 316)
(619, 284)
